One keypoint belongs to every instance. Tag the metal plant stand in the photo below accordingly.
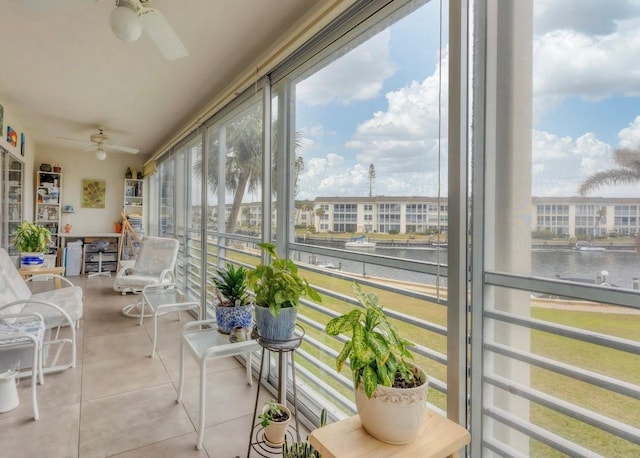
(282, 348)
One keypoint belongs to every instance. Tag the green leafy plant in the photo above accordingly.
(273, 413)
(277, 285)
(231, 284)
(303, 449)
(31, 238)
(376, 352)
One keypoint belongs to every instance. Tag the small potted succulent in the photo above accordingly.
(32, 241)
(275, 419)
(391, 392)
(278, 289)
(233, 309)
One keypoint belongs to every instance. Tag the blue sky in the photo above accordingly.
(380, 102)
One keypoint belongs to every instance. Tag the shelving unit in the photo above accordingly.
(133, 209)
(100, 255)
(48, 206)
(12, 213)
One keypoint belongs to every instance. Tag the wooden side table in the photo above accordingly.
(26, 273)
(439, 437)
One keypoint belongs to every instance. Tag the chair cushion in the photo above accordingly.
(135, 283)
(68, 299)
(33, 327)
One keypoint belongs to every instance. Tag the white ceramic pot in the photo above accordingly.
(274, 433)
(8, 392)
(393, 415)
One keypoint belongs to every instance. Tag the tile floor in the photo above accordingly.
(120, 402)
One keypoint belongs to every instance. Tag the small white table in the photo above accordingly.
(205, 344)
(162, 299)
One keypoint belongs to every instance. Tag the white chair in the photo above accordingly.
(60, 308)
(154, 265)
(19, 331)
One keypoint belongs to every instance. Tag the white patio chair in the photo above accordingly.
(60, 308)
(154, 265)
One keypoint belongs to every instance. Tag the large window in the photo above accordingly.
(490, 199)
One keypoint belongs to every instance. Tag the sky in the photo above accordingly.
(385, 103)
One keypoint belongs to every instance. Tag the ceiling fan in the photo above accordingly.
(130, 17)
(100, 144)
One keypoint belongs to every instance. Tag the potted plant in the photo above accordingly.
(390, 392)
(278, 289)
(275, 421)
(303, 449)
(31, 240)
(233, 308)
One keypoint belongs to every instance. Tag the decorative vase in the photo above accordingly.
(274, 433)
(393, 415)
(31, 260)
(228, 318)
(117, 227)
(274, 328)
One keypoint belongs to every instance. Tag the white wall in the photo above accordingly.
(10, 119)
(78, 165)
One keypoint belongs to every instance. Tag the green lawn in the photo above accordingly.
(613, 363)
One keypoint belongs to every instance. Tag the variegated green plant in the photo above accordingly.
(376, 352)
(31, 238)
(277, 285)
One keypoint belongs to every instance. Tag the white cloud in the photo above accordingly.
(591, 17)
(358, 76)
(404, 139)
(630, 136)
(593, 67)
(560, 164)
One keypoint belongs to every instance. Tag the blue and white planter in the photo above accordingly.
(233, 317)
(31, 260)
(276, 329)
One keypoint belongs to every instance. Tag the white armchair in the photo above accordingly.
(154, 265)
(60, 308)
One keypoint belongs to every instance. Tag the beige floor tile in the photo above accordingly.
(111, 376)
(128, 421)
(181, 446)
(55, 434)
(227, 397)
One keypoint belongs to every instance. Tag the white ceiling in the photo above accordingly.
(64, 73)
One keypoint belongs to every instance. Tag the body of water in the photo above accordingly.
(621, 266)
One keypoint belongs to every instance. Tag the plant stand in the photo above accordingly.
(282, 348)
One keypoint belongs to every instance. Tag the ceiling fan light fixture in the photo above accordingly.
(125, 23)
(101, 154)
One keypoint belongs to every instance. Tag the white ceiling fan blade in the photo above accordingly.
(124, 149)
(73, 139)
(163, 35)
(90, 148)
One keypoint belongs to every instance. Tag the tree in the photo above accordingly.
(372, 178)
(628, 172)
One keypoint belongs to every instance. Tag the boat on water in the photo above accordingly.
(588, 247)
(359, 242)
(591, 248)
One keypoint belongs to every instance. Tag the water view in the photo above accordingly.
(621, 267)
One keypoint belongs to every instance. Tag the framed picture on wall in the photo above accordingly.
(12, 136)
(93, 193)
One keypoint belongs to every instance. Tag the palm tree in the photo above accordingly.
(628, 172)
(243, 167)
